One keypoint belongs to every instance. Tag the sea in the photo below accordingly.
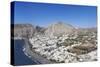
(19, 56)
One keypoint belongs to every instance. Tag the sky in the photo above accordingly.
(44, 14)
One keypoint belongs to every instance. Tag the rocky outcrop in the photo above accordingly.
(26, 30)
(23, 30)
(59, 28)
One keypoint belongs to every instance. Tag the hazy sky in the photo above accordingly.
(45, 14)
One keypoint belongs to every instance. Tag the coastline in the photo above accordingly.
(18, 56)
(33, 55)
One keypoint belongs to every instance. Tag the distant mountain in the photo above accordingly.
(39, 30)
(59, 28)
(87, 30)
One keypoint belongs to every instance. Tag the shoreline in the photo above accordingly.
(33, 55)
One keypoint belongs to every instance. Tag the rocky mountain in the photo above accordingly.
(26, 30)
(56, 29)
(23, 30)
(39, 30)
(59, 28)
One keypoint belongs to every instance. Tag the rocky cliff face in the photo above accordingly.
(59, 28)
(26, 30)
(23, 30)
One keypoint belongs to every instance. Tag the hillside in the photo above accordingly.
(59, 28)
